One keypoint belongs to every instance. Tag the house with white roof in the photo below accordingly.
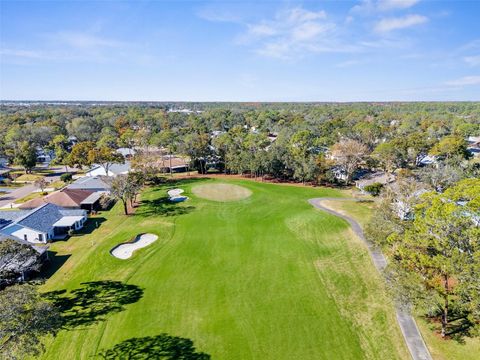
(113, 170)
(44, 223)
(474, 145)
(127, 153)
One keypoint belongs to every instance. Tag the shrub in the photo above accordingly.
(67, 177)
(374, 189)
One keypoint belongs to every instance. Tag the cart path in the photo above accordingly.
(408, 326)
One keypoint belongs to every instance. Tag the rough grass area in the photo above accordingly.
(221, 192)
(29, 178)
(59, 184)
(269, 277)
(360, 211)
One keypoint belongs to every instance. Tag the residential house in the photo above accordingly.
(4, 172)
(177, 163)
(44, 156)
(404, 207)
(113, 170)
(3, 161)
(374, 178)
(340, 174)
(127, 153)
(474, 145)
(67, 198)
(41, 224)
(91, 183)
(428, 160)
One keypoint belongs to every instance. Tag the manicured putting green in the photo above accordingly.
(221, 192)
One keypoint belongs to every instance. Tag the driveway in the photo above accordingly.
(8, 199)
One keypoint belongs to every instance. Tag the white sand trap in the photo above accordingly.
(174, 192)
(125, 251)
(174, 195)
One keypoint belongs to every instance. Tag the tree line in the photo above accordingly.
(301, 142)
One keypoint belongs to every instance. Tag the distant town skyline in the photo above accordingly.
(367, 50)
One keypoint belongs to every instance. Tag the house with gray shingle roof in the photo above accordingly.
(44, 223)
(92, 183)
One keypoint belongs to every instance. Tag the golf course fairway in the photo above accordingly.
(264, 277)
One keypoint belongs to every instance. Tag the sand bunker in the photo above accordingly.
(174, 192)
(221, 192)
(125, 251)
(174, 195)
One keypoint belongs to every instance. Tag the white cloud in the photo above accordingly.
(396, 4)
(292, 33)
(261, 30)
(465, 81)
(217, 14)
(472, 60)
(27, 54)
(386, 25)
(76, 46)
(373, 6)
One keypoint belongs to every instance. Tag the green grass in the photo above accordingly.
(360, 211)
(29, 178)
(30, 196)
(267, 277)
(56, 184)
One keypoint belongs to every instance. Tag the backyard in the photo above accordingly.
(262, 276)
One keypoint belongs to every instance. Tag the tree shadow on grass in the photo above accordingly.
(93, 302)
(54, 263)
(91, 225)
(163, 207)
(459, 327)
(163, 346)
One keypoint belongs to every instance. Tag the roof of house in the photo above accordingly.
(115, 169)
(176, 161)
(473, 139)
(379, 177)
(126, 151)
(89, 183)
(4, 170)
(41, 218)
(64, 198)
(93, 198)
(7, 217)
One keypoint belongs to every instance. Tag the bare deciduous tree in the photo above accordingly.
(348, 154)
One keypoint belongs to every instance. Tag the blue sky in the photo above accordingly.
(364, 50)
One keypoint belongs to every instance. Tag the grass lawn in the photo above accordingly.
(30, 196)
(266, 277)
(56, 184)
(360, 211)
(439, 348)
(29, 177)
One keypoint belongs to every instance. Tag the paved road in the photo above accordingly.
(23, 191)
(413, 338)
